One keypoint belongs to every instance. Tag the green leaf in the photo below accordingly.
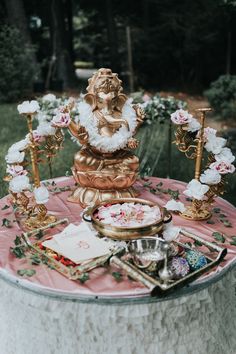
(39, 235)
(15, 207)
(55, 190)
(188, 199)
(26, 272)
(198, 243)
(35, 259)
(216, 210)
(210, 222)
(233, 242)
(117, 276)
(6, 207)
(18, 251)
(30, 272)
(83, 278)
(218, 236)
(174, 193)
(189, 244)
(21, 272)
(227, 223)
(6, 223)
(153, 190)
(147, 184)
(17, 240)
(46, 183)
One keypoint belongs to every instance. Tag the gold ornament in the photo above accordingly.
(104, 175)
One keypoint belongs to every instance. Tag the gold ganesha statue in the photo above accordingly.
(105, 167)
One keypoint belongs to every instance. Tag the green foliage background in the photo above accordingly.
(17, 70)
(222, 96)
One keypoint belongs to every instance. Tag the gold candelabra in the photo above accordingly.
(193, 149)
(38, 216)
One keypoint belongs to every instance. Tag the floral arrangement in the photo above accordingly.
(128, 214)
(43, 141)
(210, 182)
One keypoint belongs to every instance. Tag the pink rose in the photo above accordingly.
(61, 120)
(181, 117)
(38, 138)
(146, 97)
(223, 167)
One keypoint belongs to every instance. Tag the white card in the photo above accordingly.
(78, 243)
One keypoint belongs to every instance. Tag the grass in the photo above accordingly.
(152, 152)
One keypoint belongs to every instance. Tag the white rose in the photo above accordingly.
(19, 145)
(171, 232)
(215, 144)
(196, 190)
(193, 125)
(45, 128)
(210, 177)
(19, 183)
(207, 132)
(175, 206)
(42, 117)
(41, 195)
(15, 157)
(16, 170)
(28, 107)
(225, 155)
(180, 117)
(49, 98)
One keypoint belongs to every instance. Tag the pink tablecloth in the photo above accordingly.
(101, 283)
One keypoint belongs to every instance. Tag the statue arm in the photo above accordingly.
(140, 115)
(73, 128)
(78, 132)
(133, 143)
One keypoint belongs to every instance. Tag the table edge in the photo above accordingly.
(188, 290)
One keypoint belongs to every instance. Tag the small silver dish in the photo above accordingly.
(147, 252)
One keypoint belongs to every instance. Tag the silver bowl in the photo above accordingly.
(147, 252)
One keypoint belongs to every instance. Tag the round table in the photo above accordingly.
(47, 313)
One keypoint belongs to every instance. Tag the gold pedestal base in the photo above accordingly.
(34, 222)
(90, 196)
(192, 214)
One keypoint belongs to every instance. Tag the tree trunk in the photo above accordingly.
(228, 54)
(17, 18)
(61, 44)
(112, 37)
(145, 15)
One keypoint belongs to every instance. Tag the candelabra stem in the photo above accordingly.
(200, 143)
(33, 153)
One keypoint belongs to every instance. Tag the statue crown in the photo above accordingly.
(104, 80)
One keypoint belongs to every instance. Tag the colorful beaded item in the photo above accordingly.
(195, 259)
(179, 267)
